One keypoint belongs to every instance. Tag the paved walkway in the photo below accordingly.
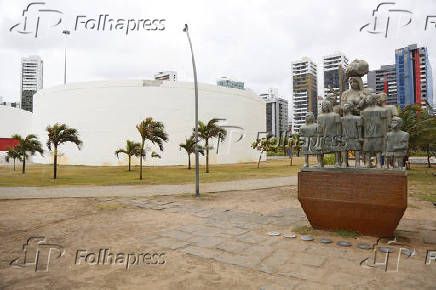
(142, 190)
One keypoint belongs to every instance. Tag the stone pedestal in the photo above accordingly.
(369, 201)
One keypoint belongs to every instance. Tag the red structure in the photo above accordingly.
(362, 200)
(5, 142)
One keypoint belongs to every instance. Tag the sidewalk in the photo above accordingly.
(141, 190)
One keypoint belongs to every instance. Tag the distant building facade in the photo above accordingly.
(166, 76)
(229, 83)
(277, 116)
(31, 80)
(334, 66)
(273, 93)
(305, 92)
(384, 80)
(414, 77)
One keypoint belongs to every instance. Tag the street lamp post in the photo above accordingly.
(66, 32)
(197, 158)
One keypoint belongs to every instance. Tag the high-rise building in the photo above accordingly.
(31, 80)
(277, 116)
(228, 83)
(305, 92)
(414, 77)
(334, 66)
(384, 80)
(273, 93)
(166, 76)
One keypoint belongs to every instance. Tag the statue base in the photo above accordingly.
(368, 201)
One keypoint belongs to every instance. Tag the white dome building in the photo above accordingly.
(106, 113)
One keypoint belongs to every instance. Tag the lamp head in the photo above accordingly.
(185, 29)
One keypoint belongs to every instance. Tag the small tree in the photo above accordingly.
(296, 143)
(189, 147)
(132, 149)
(209, 131)
(12, 154)
(154, 132)
(60, 134)
(421, 128)
(27, 147)
(265, 145)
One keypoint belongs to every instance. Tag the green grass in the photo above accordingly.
(69, 175)
(422, 183)
(347, 234)
(305, 230)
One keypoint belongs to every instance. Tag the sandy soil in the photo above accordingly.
(86, 224)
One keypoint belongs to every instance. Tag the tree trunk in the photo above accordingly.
(24, 164)
(14, 164)
(55, 162)
(290, 157)
(140, 161)
(130, 157)
(260, 156)
(428, 156)
(207, 155)
(189, 161)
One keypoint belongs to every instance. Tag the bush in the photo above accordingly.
(329, 159)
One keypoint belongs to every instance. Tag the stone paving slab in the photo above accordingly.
(251, 238)
(169, 243)
(207, 242)
(202, 252)
(232, 246)
(178, 235)
(239, 260)
(429, 237)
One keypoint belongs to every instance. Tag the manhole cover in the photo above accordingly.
(364, 246)
(343, 244)
(273, 234)
(290, 236)
(385, 249)
(307, 238)
(325, 241)
(408, 252)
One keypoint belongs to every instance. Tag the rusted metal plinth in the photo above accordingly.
(368, 201)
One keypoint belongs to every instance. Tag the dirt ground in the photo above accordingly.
(90, 224)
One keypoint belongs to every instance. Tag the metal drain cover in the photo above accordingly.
(325, 241)
(273, 234)
(364, 246)
(307, 238)
(290, 236)
(385, 249)
(343, 244)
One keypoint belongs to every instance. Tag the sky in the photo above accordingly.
(250, 41)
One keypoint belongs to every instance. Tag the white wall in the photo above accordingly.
(106, 113)
(14, 121)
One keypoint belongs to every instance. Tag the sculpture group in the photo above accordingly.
(361, 123)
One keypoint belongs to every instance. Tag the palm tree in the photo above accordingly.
(132, 149)
(27, 147)
(154, 132)
(12, 154)
(60, 134)
(189, 147)
(209, 131)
